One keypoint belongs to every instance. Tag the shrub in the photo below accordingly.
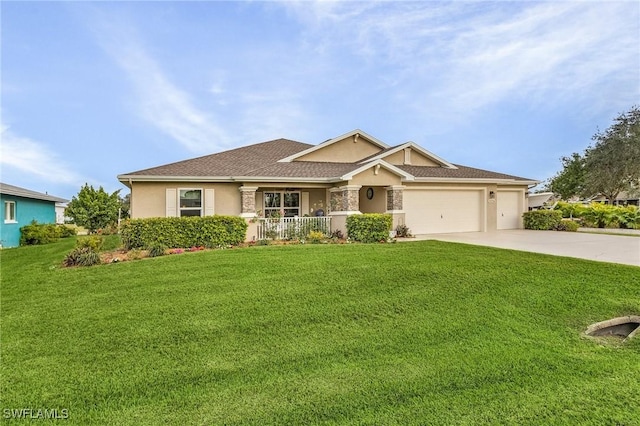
(94, 242)
(542, 220)
(134, 254)
(208, 231)
(403, 231)
(82, 256)
(39, 233)
(570, 210)
(567, 225)
(600, 215)
(111, 229)
(315, 237)
(67, 231)
(156, 249)
(337, 235)
(629, 217)
(369, 227)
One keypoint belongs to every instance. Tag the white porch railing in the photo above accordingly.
(292, 228)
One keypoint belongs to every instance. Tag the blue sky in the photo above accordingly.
(90, 90)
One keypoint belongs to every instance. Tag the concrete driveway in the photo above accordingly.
(604, 248)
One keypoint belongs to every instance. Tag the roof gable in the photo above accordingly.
(416, 156)
(376, 166)
(348, 148)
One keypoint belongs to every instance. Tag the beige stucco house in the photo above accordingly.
(350, 174)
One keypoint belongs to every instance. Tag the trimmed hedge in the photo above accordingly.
(369, 227)
(43, 233)
(542, 220)
(177, 232)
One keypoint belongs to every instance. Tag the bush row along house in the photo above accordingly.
(349, 174)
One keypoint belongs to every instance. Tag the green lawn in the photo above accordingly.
(410, 333)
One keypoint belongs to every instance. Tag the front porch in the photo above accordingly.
(288, 213)
(291, 228)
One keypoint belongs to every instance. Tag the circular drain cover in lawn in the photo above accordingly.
(624, 327)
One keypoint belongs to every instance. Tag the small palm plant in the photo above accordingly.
(629, 217)
(600, 215)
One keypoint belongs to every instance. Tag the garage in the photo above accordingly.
(509, 205)
(431, 211)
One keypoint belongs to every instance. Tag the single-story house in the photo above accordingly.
(350, 174)
(20, 207)
(624, 198)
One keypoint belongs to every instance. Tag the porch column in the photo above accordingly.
(346, 199)
(248, 199)
(394, 205)
(394, 198)
(351, 198)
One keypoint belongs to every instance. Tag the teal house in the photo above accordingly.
(19, 208)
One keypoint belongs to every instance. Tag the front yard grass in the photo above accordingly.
(413, 333)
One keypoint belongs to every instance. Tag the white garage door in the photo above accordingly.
(442, 211)
(509, 209)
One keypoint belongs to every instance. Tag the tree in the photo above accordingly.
(570, 181)
(612, 165)
(94, 209)
(125, 206)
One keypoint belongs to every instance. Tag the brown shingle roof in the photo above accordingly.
(235, 162)
(462, 172)
(261, 161)
(304, 169)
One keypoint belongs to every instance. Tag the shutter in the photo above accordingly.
(209, 202)
(304, 204)
(171, 201)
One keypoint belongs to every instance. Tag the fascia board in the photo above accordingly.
(152, 178)
(477, 180)
(332, 141)
(125, 179)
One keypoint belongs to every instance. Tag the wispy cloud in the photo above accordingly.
(35, 158)
(449, 59)
(158, 100)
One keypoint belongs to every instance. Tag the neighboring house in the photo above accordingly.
(60, 217)
(350, 174)
(20, 207)
(541, 200)
(622, 199)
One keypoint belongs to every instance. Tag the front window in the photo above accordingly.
(190, 202)
(9, 211)
(284, 203)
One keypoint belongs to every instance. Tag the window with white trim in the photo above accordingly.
(190, 202)
(10, 212)
(281, 203)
